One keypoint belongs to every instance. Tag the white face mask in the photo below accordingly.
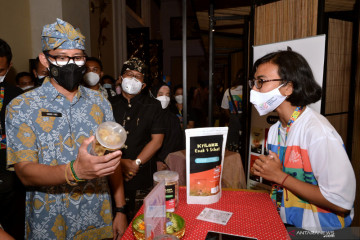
(131, 85)
(266, 102)
(165, 100)
(3, 77)
(27, 87)
(40, 77)
(179, 99)
(107, 85)
(91, 78)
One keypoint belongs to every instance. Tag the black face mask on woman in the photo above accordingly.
(67, 76)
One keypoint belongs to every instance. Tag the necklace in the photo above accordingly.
(293, 118)
(277, 192)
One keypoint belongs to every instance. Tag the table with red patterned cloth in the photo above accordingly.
(254, 215)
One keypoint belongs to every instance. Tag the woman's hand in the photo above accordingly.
(269, 167)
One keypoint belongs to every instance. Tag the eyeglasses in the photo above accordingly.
(138, 76)
(63, 60)
(259, 82)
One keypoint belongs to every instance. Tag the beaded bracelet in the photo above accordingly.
(66, 176)
(74, 173)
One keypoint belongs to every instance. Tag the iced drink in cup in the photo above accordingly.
(109, 137)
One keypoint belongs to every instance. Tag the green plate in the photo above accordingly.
(174, 222)
(139, 224)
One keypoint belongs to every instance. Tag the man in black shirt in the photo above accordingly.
(141, 116)
(12, 192)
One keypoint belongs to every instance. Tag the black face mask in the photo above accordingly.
(68, 76)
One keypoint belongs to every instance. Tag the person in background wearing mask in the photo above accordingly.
(12, 192)
(40, 72)
(49, 131)
(314, 181)
(174, 139)
(94, 71)
(178, 95)
(108, 83)
(24, 81)
(142, 118)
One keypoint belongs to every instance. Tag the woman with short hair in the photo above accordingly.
(314, 181)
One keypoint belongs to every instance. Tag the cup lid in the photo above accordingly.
(111, 135)
(166, 175)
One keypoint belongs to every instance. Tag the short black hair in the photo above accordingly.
(292, 67)
(5, 51)
(22, 74)
(177, 87)
(155, 89)
(108, 77)
(94, 59)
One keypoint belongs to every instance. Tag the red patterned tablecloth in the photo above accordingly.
(254, 215)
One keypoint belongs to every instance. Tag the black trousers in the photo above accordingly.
(12, 212)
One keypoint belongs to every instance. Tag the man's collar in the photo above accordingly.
(52, 93)
(133, 99)
(49, 89)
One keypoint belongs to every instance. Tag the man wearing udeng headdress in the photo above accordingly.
(142, 118)
(49, 130)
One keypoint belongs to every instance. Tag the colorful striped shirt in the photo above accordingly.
(315, 154)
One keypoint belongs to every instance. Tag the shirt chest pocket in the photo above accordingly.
(47, 120)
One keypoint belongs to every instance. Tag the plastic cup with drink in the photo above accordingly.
(109, 137)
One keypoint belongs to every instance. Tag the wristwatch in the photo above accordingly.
(120, 209)
(138, 162)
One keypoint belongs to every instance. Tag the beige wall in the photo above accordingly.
(77, 13)
(16, 32)
(21, 23)
(39, 16)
